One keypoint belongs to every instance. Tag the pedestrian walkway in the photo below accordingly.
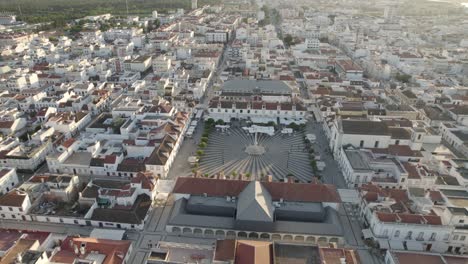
(284, 155)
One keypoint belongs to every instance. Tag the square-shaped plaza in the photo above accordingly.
(234, 151)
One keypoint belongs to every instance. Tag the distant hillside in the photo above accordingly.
(36, 11)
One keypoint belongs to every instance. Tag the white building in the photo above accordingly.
(217, 36)
(402, 220)
(15, 205)
(139, 64)
(8, 180)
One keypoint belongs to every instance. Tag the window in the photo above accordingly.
(241, 111)
(455, 237)
(13, 216)
(11, 209)
(433, 236)
(376, 145)
(397, 142)
(419, 137)
(420, 236)
(361, 144)
(462, 238)
(397, 233)
(409, 235)
(461, 221)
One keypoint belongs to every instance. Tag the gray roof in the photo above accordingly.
(462, 135)
(255, 86)
(255, 203)
(358, 160)
(79, 158)
(365, 127)
(330, 226)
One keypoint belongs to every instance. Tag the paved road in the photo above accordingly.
(332, 173)
(180, 166)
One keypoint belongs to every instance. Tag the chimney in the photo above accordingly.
(269, 178)
(82, 250)
(290, 179)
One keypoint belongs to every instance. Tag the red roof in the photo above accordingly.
(409, 218)
(68, 142)
(114, 250)
(436, 196)
(210, 187)
(110, 159)
(305, 192)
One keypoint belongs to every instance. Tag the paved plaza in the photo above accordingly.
(281, 155)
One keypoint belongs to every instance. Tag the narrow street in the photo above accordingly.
(332, 173)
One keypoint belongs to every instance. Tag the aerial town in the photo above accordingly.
(243, 132)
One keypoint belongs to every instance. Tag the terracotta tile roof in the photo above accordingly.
(412, 170)
(225, 250)
(409, 218)
(4, 172)
(371, 196)
(396, 194)
(6, 124)
(110, 159)
(22, 245)
(411, 258)
(161, 153)
(253, 252)
(68, 142)
(305, 192)
(433, 219)
(114, 250)
(436, 196)
(144, 179)
(334, 255)
(14, 198)
(387, 217)
(271, 106)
